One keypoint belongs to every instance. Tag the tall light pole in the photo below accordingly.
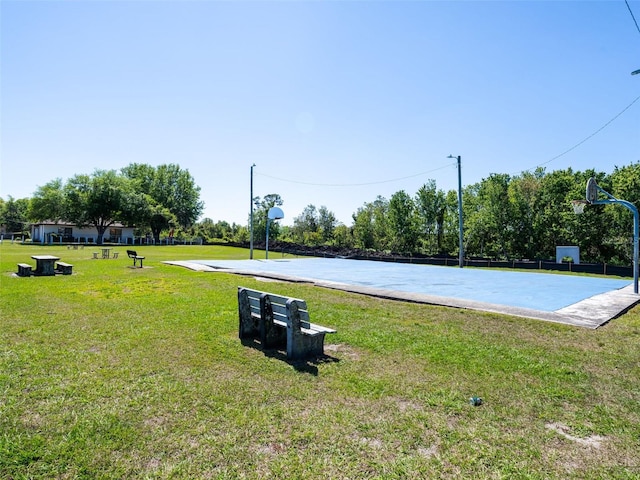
(460, 221)
(251, 217)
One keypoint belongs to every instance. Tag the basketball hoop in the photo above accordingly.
(578, 206)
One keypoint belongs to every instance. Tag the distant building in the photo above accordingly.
(52, 232)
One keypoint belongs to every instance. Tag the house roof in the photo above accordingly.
(67, 224)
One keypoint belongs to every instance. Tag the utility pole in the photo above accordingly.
(251, 217)
(460, 221)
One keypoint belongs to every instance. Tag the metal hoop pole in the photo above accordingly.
(636, 231)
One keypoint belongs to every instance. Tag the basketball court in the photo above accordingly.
(570, 299)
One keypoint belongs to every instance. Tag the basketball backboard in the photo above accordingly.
(592, 190)
(275, 213)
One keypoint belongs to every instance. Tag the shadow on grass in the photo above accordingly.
(307, 365)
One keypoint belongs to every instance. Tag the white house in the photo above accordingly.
(52, 232)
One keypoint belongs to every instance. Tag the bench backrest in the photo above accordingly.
(278, 306)
(132, 253)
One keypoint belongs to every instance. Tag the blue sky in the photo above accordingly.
(336, 102)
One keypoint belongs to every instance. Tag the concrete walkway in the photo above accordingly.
(570, 299)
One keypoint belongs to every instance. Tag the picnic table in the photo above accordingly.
(105, 252)
(45, 264)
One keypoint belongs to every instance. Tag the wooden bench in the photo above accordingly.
(24, 270)
(133, 254)
(64, 268)
(278, 321)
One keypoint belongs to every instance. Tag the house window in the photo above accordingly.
(115, 235)
(65, 234)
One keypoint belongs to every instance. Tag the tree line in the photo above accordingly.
(151, 198)
(505, 217)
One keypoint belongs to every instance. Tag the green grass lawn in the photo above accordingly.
(115, 372)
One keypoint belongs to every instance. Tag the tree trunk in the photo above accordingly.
(101, 231)
(156, 234)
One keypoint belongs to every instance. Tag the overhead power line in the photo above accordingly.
(632, 15)
(398, 179)
(587, 138)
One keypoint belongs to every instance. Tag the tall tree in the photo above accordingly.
(210, 230)
(492, 218)
(552, 220)
(363, 230)
(523, 191)
(381, 235)
(451, 225)
(343, 236)
(158, 218)
(170, 187)
(305, 227)
(402, 223)
(101, 199)
(48, 202)
(14, 215)
(430, 210)
(625, 184)
(260, 217)
(475, 231)
(314, 226)
(327, 223)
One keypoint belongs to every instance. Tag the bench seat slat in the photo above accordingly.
(280, 316)
(307, 327)
(307, 331)
(320, 328)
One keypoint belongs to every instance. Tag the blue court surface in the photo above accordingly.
(573, 299)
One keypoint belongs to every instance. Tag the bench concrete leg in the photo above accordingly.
(247, 327)
(299, 345)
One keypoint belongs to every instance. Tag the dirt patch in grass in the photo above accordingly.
(342, 349)
(272, 449)
(428, 452)
(593, 441)
(575, 454)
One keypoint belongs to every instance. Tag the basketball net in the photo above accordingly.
(578, 206)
